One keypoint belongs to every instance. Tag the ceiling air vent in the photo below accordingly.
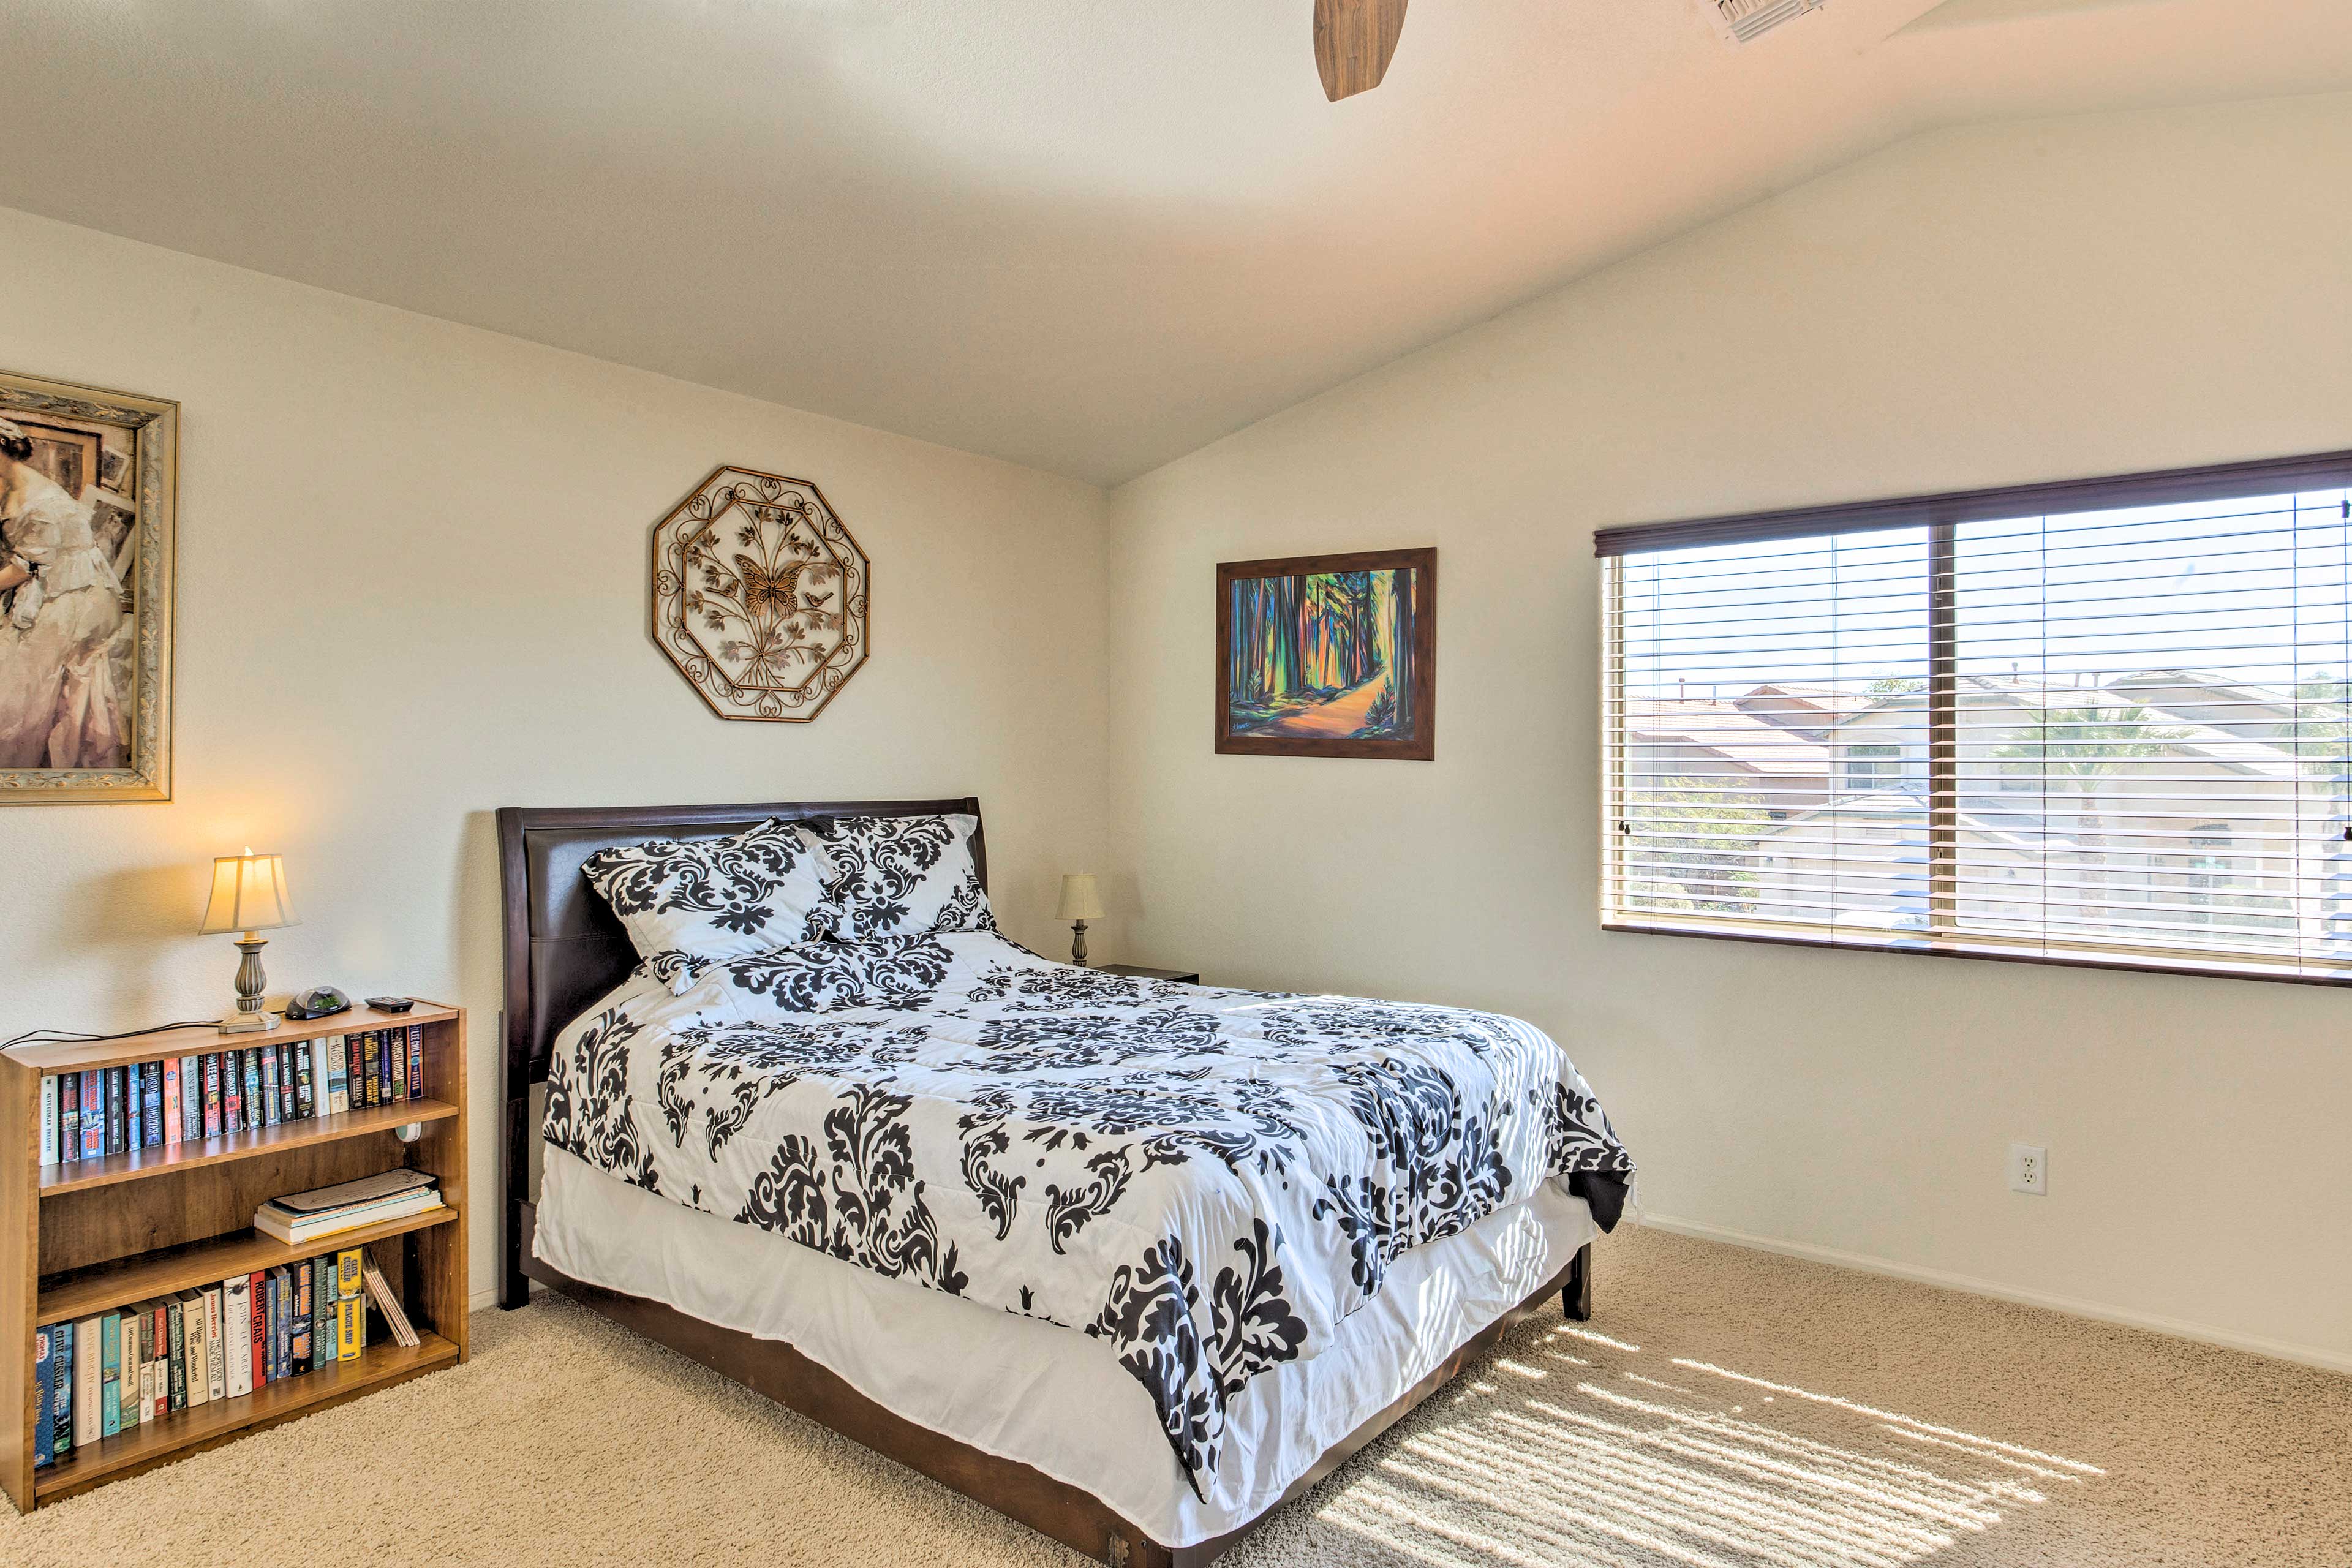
(1745, 21)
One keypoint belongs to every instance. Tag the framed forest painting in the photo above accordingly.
(1328, 655)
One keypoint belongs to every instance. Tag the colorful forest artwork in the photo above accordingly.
(1328, 655)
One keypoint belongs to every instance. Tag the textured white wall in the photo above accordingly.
(1998, 304)
(412, 589)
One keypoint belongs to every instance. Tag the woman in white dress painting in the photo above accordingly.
(60, 704)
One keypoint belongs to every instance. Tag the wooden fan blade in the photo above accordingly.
(1354, 40)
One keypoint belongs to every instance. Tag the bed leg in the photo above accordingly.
(1576, 1296)
(514, 1289)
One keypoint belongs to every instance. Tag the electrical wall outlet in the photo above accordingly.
(2029, 1169)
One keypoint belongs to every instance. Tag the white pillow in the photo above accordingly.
(716, 898)
(902, 875)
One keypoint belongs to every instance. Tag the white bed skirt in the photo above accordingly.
(1052, 1397)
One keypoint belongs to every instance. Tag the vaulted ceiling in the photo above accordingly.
(1084, 234)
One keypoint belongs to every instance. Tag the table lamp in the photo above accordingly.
(248, 897)
(1080, 903)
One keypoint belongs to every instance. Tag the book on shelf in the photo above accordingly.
(232, 1091)
(252, 1072)
(237, 1332)
(196, 1349)
(138, 1363)
(351, 1304)
(50, 1154)
(323, 1309)
(155, 1365)
(268, 1086)
(299, 1217)
(301, 1309)
(281, 1322)
(89, 1367)
(258, 1325)
(338, 1090)
(395, 1319)
(213, 1095)
(176, 1339)
(215, 1352)
(93, 1115)
(129, 1359)
(305, 1106)
(110, 1373)
(416, 1061)
(62, 1342)
(45, 1394)
(192, 1100)
(68, 1113)
(171, 1128)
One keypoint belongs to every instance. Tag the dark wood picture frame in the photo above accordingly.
(1420, 744)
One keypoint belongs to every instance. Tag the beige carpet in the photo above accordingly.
(1725, 1407)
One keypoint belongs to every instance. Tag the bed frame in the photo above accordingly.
(565, 949)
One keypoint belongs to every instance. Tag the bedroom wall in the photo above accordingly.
(412, 589)
(1980, 306)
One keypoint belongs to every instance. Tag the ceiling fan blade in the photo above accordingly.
(1354, 40)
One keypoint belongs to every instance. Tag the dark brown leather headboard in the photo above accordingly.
(565, 948)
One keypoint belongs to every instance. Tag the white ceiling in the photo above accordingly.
(1084, 234)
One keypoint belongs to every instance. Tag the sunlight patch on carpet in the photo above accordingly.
(1607, 1466)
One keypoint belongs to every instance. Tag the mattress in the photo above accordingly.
(1212, 1180)
(1043, 1395)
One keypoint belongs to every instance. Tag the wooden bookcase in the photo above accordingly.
(81, 1236)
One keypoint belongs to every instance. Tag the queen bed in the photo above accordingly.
(1129, 1262)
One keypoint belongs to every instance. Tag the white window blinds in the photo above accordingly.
(2108, 722)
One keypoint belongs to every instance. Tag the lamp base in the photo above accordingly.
(250, 1017)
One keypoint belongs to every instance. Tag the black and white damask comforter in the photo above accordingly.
(1208, 1179)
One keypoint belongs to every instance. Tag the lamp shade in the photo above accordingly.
(1079, 900)
(249, 894)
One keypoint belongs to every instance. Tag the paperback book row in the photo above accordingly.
(187, 1099)
(114, 1372)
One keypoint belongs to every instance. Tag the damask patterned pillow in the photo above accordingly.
(902, 875)
(716, 898)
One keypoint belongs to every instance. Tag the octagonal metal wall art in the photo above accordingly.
(760, 595)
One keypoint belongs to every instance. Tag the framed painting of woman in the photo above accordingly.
(87, 484)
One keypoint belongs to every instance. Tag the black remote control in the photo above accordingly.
(391, 1004)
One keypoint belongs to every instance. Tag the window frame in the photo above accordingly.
(1940, 514)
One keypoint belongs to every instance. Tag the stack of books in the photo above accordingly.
(114, 1372)
(300, 1217)
(187, 1099)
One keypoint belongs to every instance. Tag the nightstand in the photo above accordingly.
(1142, 972)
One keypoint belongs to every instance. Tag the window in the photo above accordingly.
(2107, 722)
(1873, 767)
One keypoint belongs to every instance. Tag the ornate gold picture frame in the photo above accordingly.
(89, 489)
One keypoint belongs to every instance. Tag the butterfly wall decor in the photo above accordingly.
(760, 595)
